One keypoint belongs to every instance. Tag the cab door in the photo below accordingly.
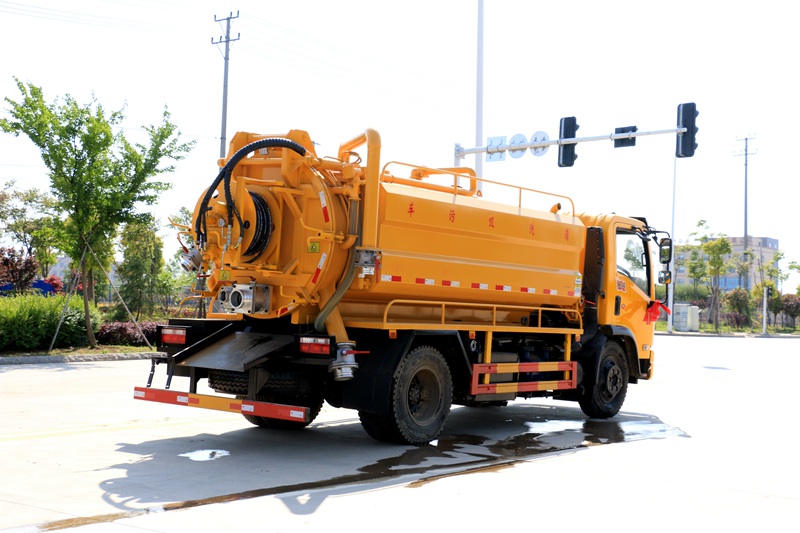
(633, 288)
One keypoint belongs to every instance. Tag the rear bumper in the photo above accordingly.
(220, 403)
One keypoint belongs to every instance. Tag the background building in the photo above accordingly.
(762, 249)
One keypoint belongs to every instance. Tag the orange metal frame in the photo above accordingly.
(568, 367)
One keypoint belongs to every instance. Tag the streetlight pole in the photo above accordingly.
(479, 96)
(746, 153)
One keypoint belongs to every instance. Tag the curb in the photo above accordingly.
(84, 358)
(697, 334)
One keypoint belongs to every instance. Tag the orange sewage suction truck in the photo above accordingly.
(397, 292)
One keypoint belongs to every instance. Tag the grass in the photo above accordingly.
(85, 350)
(661, 325)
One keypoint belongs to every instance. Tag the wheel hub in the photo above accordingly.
(612, 382)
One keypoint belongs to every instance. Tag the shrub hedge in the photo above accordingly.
(28, 322)
(126, 334)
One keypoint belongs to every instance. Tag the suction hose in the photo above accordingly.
(225, 173)
(349, 276)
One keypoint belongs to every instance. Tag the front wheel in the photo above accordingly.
(605, 392)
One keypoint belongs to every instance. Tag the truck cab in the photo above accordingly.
(627, 304)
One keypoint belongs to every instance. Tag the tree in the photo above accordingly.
(772, 270)
(690, 256)
(141, 267)
(791, 306)
(56, 282)
(97, 176)
(32, 221)
(17, 269)
(742, 263)
(794, 265)
(716, 248)
(738, 301)
(5, 200)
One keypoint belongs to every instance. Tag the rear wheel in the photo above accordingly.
(422, 392)
(605, 393)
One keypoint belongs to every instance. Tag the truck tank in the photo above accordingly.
(282, 231)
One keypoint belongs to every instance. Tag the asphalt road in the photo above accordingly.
(710, 443)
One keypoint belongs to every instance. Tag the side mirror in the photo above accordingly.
(665, 277)
(665, 251)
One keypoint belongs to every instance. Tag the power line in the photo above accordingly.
(74, 17)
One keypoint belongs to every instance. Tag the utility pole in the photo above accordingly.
(227, 40)
(746, 153)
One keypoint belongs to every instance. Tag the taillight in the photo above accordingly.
(316, 345)
(173, 335)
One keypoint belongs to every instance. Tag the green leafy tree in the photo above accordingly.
(772, 270)
(141, 268)
(98, 177)
(738, 301)
(795, 266)
(716, 249)
(5, 201)
(694, 263)
(32, 221)
(742, 263)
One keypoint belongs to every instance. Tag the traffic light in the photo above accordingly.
(769, 292)
(621, 143)
(566, 152)
(686, 143)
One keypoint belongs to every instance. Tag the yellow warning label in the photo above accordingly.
(313, 247)
(224, 275)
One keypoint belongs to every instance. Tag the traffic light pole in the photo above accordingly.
(461, 152)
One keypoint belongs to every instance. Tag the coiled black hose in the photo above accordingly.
(200, 228)
(263, 230)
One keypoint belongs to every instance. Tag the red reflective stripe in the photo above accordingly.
(319, 268)
(324, 205)
(218, 403)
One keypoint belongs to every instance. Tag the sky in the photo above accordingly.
(408, 70)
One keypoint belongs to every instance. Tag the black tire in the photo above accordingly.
(605, 393)
(292, 389)
(228, 381)
(379, 427)
(422, 392)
